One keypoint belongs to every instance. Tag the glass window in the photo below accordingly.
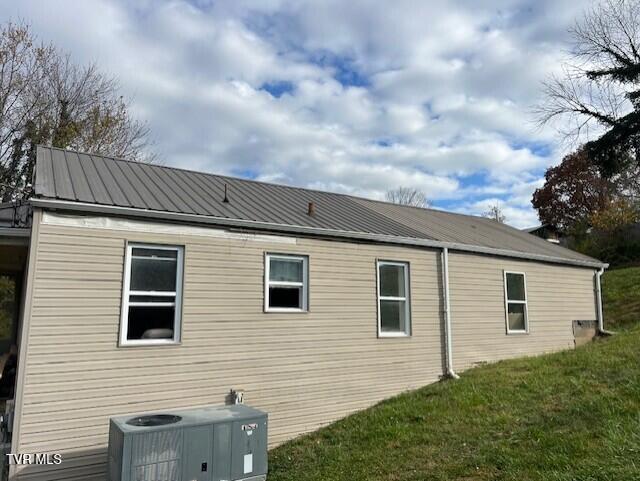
(153, 270)
(285, 269)
(516, 302)
(515, 286)
(517, 317)
(151, 307)
(392, 280)
(393, 299)
(286, 279)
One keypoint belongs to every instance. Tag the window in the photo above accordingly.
(394, 316)
(286, 283)
(152, 295)
(515, 287)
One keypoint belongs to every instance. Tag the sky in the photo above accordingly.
(353, 96)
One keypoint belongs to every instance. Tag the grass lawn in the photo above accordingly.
(573, 415)
(621, 297)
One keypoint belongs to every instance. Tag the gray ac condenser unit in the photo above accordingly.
(227, 443)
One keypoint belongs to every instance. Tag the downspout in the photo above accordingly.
(601, 330)
(449, 372)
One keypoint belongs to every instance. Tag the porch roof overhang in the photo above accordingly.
(15, 235)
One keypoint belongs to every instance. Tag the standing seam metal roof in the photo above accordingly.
(94, 179)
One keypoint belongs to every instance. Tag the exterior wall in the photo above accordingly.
(557, 295)
(306, 370)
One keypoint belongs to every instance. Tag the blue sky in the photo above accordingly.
(342, 96)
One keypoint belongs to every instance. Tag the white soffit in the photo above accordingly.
(128, 225)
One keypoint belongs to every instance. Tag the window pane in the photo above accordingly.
(290, 297)
(515, 287)
(285, 270)
(391, 281)
(153, 274)
(150, 322)
(516, 317)
(393, 316)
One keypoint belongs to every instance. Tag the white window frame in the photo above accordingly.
(269, 283)
(127, 293)
(507, 301)
(406, 298)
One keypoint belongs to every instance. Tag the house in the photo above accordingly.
(148, 287)
(548, 233)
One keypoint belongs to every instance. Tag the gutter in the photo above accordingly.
(296, 229)
(14, 232)
(449, 371)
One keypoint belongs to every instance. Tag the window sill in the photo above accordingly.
(129, 344)
(517, 333)
(393, 335)
(285, 310)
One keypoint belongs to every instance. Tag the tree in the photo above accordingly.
(575, 189)
(407, 196)
(495, 213)
(613, 237)
(600, 87)
(47, 99)
(615, 217)
(572, 191)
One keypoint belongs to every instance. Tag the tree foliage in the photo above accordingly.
(407, 196)
(598, 96)
(575, 190)
(615, 234)
(616, 216)
(572, 191)
(47, 99)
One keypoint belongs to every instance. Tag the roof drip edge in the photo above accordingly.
(297, 229)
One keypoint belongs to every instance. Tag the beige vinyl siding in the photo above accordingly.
(556, 295)
(305, 369)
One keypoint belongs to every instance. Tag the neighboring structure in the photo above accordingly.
(151, 288)
(548, 233)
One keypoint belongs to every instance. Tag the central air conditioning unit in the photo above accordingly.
(227, 443)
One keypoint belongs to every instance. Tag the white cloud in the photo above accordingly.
(441, 90)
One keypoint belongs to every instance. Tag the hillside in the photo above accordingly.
(621, 297)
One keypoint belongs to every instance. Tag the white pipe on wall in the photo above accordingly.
(601, 329)
(447, 315)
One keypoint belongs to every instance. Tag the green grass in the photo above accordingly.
(571, 416)
(621, 297)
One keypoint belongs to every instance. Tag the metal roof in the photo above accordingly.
(92, 183)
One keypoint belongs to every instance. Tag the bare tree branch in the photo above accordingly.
(599, 90)
(47, 99)
(407, 196)
(495, 213)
